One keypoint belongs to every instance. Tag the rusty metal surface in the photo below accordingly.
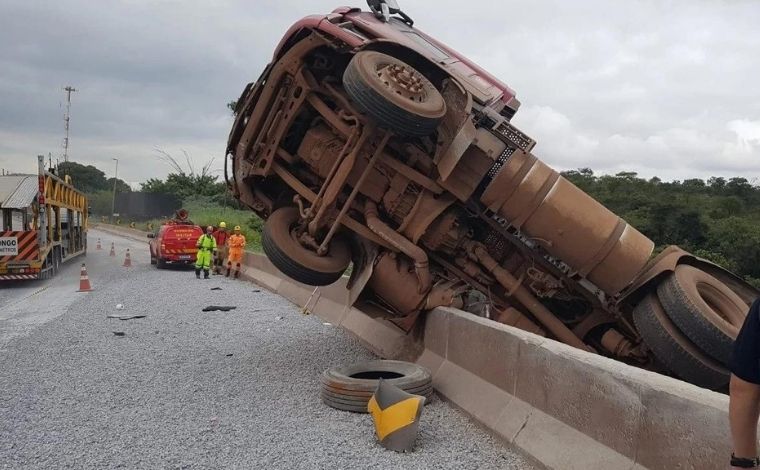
(460, 209)
(568, 223)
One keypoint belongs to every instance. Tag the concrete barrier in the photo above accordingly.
(570, 409)
(565, 408)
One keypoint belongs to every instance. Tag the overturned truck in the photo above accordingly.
(366, 141)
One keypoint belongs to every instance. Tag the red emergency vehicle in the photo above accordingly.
(174, 242)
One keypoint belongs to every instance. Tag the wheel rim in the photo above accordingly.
(404, 81)
(721, 305)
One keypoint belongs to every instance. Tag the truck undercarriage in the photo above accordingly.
(377, 157)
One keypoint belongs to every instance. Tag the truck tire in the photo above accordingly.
(297, 262)
(704, 309)
(349, 388)
(679, 354)
(393, 93)
(160, 263)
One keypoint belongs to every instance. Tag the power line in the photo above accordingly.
(66, 117)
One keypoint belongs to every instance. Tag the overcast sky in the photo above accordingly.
(666, 88)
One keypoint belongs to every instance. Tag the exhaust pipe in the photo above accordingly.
(402, 244)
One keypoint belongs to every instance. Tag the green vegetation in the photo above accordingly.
(204, 197)
(90, 179)
(94, 183)
(717, 219)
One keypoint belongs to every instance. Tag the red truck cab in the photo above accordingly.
(174, 243)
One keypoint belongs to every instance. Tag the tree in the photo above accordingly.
(739, 187)
(85, 178)
(716, 183)
(89, 179)
(185, 181)
(121, 186)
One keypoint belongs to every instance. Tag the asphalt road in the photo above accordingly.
(184, 388)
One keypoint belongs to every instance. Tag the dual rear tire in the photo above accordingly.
(690, 324)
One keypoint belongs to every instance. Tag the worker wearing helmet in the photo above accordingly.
(206, 247)
(221, 236)
(236, 245)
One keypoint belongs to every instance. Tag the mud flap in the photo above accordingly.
(363, 258)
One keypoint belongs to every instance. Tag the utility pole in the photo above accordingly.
(68, 89)
(113, 201)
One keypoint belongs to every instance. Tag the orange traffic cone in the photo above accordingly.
(98, 247)
(127, 260)
(84, 281)
(113, 250)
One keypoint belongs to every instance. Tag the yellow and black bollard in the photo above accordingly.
(397, 416)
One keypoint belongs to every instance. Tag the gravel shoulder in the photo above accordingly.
(190, 389)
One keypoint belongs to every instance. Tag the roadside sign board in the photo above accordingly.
(8, 246)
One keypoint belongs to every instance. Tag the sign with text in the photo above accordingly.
(8, 246)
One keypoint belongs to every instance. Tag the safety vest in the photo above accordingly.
(206, 242)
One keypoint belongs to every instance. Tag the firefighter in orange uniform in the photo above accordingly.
(236, 245)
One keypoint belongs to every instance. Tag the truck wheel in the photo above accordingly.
(160, 263)
(296, 261)
(674, 349)
(704, 309)
(393, 93)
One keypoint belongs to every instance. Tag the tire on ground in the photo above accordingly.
(374, 96)
(704, 309)
(297, 262)
(350, 387)
(679, 354)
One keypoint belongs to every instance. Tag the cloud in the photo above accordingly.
(661, 88)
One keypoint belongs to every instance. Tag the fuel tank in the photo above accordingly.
(567, 223)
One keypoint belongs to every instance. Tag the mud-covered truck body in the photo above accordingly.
(367, 141)
(44, 224)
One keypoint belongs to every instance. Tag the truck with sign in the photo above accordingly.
(174, 242)
(43, 225)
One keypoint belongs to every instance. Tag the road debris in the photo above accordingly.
(126, 317)
(216, 288)
(119, 333)
(213, 308)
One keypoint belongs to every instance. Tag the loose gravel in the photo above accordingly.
(184, 388)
